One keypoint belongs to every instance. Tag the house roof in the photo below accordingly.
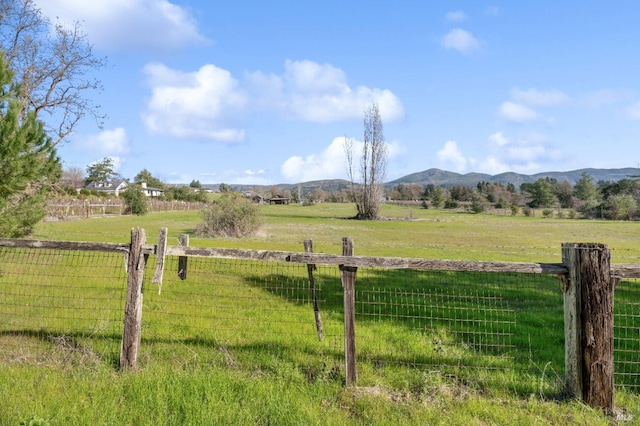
(106, 186)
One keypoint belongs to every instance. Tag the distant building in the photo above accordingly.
(279, 199)
(112, 187)
(151, 192)
(117, 186)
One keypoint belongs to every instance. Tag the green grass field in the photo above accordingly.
(410, 372)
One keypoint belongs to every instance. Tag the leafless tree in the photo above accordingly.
(368, 193)
(53, 64)
(73, 177)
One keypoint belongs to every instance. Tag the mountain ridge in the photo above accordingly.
(448, 179)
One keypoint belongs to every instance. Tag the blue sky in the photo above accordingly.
(264, 92)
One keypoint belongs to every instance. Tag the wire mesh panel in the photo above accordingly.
(626, 334)
(461, 323)
(60, 305)
(241, 312)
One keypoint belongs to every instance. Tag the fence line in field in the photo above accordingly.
(464, 312)
(69, 208)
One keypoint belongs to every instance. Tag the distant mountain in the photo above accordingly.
(329, 185)
(448, 179)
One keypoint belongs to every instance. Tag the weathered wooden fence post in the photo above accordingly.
(348, 277)
(308, 248)
(588, 323)
(182, 260)
(133, 305)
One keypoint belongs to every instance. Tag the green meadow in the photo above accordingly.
(262, 362)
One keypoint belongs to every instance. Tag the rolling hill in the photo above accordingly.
(448, 179)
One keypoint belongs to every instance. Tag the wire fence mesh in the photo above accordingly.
(58, 305)
(626, 334)
(67, 306)
(469, 325)
(241, 312)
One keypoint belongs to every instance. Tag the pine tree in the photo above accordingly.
(28, 162)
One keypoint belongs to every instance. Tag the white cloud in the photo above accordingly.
(320, 93)
(330, 163)
(456, 16)
(206, 104)
(451, 154)
(518, 113)
(106, 143)
(633, 112)
(128, 24)
(525, 154)
(498, 139)
(460, 40)
(533, 97)
(198, 105)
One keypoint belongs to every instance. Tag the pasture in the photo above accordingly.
(291, 384)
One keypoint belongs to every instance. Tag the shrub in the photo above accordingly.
(547, 213)
(231, 215)
(514, 209)
(135, 200)
(477, 206)
(528, 211)
(451, 204)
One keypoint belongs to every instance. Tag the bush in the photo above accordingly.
(451, 204)
(135, 200)
(231, 215)
(547, 213)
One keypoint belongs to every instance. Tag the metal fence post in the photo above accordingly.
(588, 314)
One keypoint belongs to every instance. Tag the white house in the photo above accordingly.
(151, 192)
(111, 187)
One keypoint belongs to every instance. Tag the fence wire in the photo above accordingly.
(59, 306)
(68, 306)
(626, 334)
(234, 312)
(469, 325)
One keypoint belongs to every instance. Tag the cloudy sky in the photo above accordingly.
(265, 92)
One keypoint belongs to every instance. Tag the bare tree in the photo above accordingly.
(52, 64)
(73, 177)
(368, 193)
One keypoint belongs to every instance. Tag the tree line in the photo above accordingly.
(618, 200)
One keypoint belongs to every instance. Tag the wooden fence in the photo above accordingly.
(69, 208)
(587, 276)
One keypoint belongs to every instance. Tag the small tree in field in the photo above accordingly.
(368, 193)
(231, 215)
(135, 200)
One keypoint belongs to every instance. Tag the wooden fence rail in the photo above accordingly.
(586, 273)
